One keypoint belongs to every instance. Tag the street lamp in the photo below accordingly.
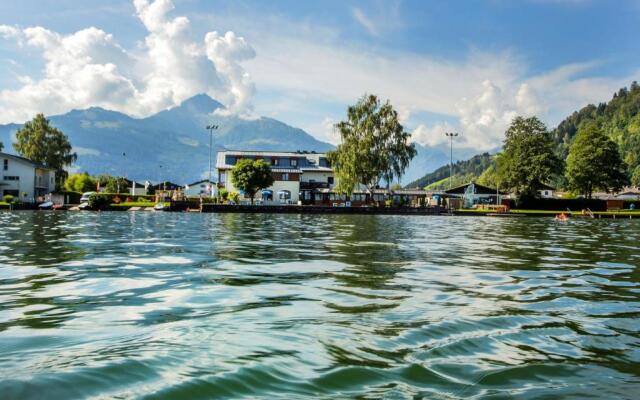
(211, 128)
(451, 135)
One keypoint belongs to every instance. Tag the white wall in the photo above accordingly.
(28, 178)
(292, 186)
(201, 190)
(24, 171)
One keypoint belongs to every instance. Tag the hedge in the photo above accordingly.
(128, 197)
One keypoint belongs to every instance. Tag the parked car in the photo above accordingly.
(85, 197)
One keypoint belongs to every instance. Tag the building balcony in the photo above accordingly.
(314, 185)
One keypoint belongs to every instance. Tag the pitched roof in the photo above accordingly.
(479, 189)
(23, 159)
(200, 181)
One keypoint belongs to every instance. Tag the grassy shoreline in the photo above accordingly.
(621, 213)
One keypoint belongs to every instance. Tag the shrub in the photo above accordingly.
(99, 201)
(8, 198)
(235, 197)
(224, 194)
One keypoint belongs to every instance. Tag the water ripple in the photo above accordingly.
(164, 305)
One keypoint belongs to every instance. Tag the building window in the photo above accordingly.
(330, 180)
(275, 161)
(11, 178)
(294, 162)
(285, 176)
(6, 164)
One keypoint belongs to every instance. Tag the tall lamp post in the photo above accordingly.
(211, 128)
(451, 135)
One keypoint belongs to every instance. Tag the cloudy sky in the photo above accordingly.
(468, 66)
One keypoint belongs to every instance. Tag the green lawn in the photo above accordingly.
(135, 204)
(622, 213)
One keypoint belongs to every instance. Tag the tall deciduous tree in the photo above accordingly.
(38, 141)
(594, 163)
(528, 159)
(251, 176)
(374, 146)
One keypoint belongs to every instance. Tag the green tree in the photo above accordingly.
(250, 176)
(115, 185)
(594, 162)
(374, 146)
(38, 141)
(1, 146)
(528, 159)
(489, 177)
(635, 177)
(80, 183)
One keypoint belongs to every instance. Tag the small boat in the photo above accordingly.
(161, 207)
(46, 206)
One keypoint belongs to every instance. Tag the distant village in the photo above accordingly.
(303, 178)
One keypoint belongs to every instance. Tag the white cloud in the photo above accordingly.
(431, 136)
(85, 151)
(89, 68)
(310, 66)
(383, 16)
(367, 23)
(483, 91)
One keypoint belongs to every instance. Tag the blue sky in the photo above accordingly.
(468, 65)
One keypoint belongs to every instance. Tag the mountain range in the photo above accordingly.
(173, 144)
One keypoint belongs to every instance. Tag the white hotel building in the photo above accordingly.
(299, 176)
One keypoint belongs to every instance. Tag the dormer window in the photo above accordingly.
(275, 162)
(294, 162)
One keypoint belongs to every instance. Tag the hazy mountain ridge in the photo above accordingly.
(172, 144)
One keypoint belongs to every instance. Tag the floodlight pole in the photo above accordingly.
(451, 135)
(211, 128)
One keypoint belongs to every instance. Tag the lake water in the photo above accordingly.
(188, 306)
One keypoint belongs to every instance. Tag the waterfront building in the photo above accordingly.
(298, 176)
(472, 194)
(200, 188)
(306, 178)
(25, 179)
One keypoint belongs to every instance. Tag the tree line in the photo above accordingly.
(529, 161)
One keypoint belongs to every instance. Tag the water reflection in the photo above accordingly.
(236, 305)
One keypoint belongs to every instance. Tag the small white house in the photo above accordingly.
(201, 189)
(25, 179)
(546, 192)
